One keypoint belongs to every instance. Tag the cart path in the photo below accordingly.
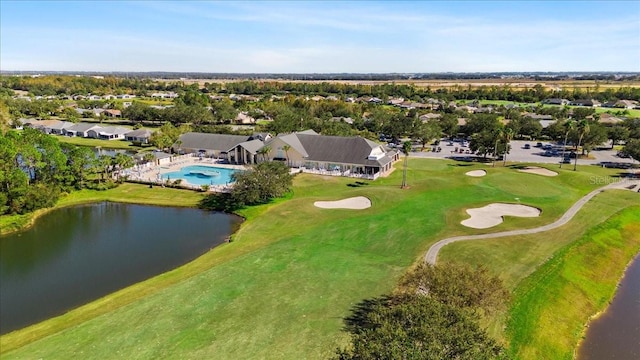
(432, 253)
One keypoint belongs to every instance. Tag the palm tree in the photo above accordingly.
(570, 124)
(264, 152)
(583, 128)
(406, 148)
(508, 135)
(286, 148)
(500, 133)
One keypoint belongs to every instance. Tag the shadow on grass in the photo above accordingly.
(357, 184)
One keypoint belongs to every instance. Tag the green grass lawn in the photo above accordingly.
(599, 110)
(105, 144)
(557, 300)
(282, 287)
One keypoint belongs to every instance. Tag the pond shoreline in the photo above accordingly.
(583, 334)
(98, 196)
(122, 297)
(81, 253)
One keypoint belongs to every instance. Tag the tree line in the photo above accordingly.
(35, 169)
(68, 85)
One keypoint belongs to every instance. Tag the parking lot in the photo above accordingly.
(518, 153)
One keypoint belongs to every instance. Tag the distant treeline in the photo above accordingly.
(68, 85)
(535, 75)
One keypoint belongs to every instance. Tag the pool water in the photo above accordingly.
(201, 175)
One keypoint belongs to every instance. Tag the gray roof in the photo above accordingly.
(114, 130)
(215, 142)
(61, 125)
(294, 142)
(140, 133)
(338, 149)
(82, 127)
(252, 146)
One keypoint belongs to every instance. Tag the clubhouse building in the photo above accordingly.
(308, 151)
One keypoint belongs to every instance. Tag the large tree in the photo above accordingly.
(415, 327)
(433, 314)
(617, 133)
(633, 149)
(262, 183)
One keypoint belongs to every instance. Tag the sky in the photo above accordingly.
(320, 36)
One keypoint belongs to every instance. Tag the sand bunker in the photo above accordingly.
(491, 215)
(354, 203)
(538, 171)
(476, 173)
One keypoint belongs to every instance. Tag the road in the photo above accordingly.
(432, 253)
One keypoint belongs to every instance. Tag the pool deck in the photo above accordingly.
(153, 173)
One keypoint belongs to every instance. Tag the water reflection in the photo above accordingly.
(616, 334)
(74, 255)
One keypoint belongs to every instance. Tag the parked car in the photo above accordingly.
(539, 145)
(623, 154)
(527, 146)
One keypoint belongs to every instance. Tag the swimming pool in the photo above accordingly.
(201, 175)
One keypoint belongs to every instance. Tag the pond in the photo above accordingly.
(74, 255)
(616, 333)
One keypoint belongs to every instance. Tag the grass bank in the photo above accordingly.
(515, 258)
(281, 288)
(105, 144)
(554, 303)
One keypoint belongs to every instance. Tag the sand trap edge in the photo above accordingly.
(352, 203)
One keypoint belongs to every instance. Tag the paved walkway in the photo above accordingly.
(432, 253)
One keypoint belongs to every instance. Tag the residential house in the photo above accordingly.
(395, 101)
(609, 119)
(81, 129)
(585, 102)
(46, 126)
(538, 116)
(94, 112)
(244, 118)
(125, 96)
(429, 117)
(347, 120)
(113, 113)
(94, 97)
(163, 95)
(625, 104)
(60, 128)
(22, 122)
(141, 136)
(108, 133)
(555, 101)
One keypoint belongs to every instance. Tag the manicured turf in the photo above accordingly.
(281, 288)
(105, 144)
(557, 300)
(515, 258)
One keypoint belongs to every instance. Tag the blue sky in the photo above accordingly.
(315, 36)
